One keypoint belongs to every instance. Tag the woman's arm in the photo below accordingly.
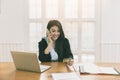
(43, 57)
(50, 42)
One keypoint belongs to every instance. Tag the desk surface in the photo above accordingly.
(8, 72)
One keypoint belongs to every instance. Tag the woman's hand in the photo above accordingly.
(68, 61)
(50, 43)
(49, 35)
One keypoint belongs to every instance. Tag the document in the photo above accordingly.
(98, 70)
(65, 76)
(94, 69)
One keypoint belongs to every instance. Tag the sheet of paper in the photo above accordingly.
(108, 70)
(65, 76)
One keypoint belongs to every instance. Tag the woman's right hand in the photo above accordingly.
(50, 43)
(49, 35)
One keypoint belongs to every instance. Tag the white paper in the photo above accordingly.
(65, 76)
(108, 70)
(99, 70)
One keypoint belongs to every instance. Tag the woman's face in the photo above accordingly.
(55, 32)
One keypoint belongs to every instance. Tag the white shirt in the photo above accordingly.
(53, 54)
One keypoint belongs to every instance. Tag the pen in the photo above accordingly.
(117, 71)
(79, 69)
(74, 68)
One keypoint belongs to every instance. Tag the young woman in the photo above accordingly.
(54, 47)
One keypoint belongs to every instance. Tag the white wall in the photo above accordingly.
(110, 30)
(12, 21)
(110, 21)
(12, 27)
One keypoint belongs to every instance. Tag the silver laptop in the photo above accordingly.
(28, 61)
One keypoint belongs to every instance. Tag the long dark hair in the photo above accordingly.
(58, 42)
(52, 23)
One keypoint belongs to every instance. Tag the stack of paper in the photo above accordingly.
(65, 76)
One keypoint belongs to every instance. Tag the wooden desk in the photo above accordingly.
(8, 72)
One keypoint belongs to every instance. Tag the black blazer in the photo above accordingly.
(63, 51)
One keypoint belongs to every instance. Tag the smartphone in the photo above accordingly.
(47, 32)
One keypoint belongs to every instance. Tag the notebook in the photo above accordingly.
(94, 69)
(27, 61)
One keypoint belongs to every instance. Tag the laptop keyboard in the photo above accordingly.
(44, 67)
